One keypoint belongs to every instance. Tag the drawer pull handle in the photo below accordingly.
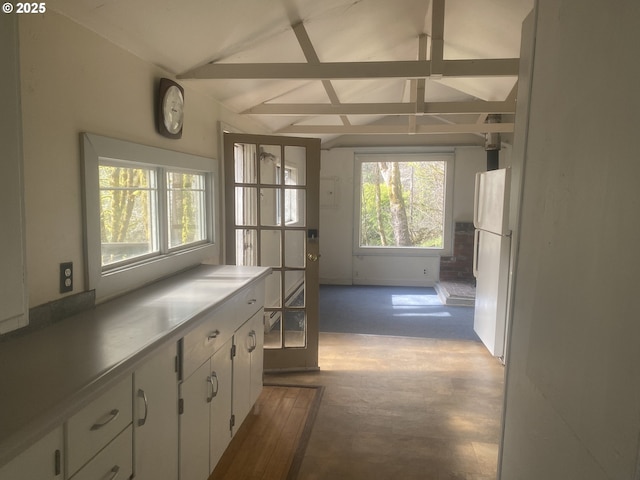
(213, 334)
(114, 472)
(252, 301)
(143, 395)
(254, 340)
(214, 386)
(113, 414)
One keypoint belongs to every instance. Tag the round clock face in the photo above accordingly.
(172, 109)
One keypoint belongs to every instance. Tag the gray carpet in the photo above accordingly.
(396, 311)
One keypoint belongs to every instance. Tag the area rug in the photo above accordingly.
(272, 441)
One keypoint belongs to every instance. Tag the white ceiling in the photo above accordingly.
(318, 40)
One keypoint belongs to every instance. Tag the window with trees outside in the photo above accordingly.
(148, 213)
(130, 206)
(403, 201)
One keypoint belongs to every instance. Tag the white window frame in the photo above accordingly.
(447, 244)
(112, 282)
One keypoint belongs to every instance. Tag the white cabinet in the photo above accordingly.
(194, 424)
(247, 366)
(155, 420)
(97, 424)
(220, 414)
(42, 461)
(13, 292)
(111, 463)
(206, 415)
(218, 395)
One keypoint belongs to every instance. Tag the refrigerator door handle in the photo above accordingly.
(476, 200)
(476, 246)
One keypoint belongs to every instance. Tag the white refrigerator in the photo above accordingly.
(492, 247)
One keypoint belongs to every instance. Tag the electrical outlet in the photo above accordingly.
(66, 277)
(425, 272)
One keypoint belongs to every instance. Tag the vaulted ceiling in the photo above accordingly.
(352, 72)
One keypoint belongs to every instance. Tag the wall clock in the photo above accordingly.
(170, 110)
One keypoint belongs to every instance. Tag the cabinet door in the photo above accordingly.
(221, 372)
(247, 366)
(194, 424)
(243, 342)
(257, 355)
(41, 461)
(14, 305)
(155, 424)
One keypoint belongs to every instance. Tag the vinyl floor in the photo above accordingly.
(402, 408)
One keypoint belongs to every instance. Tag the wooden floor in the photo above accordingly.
(266, 447)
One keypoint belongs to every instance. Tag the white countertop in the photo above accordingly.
(47, 375)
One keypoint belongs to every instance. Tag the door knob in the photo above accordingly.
(313, 257)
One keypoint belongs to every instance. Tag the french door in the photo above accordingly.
(272, 216)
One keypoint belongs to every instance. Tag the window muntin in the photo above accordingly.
(402, 202)
(128, 213)
(186, 208)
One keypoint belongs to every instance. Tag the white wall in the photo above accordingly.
(338, 264)
(75, 81)
(573, 381)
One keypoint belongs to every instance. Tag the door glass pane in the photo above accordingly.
(246, 247)
(245, 162)
(273, 290)
(295, 327)
(270, 207)
(246, 206)
(294, 285)
(270, 248)
(295, 165)
(270, 164)
(294, 242)
(273, 329)
(294, 207)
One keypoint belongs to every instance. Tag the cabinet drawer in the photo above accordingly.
(250, 300)
(114, 462)
(211, 333)
(93, 427)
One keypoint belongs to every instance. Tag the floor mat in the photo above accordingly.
(272, 440)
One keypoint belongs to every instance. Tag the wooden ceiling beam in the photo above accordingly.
(437, 38)
(312, 57)
(429, 108)
(492, 67)
(454, 128)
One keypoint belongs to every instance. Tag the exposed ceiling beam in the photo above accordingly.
(397, 129)
(418, 85)
(437, 39)
(429, 108)
(312, 57)
(494, 67)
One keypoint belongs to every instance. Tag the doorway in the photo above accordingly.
(272, 220)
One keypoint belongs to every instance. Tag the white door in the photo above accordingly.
(272, 215)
